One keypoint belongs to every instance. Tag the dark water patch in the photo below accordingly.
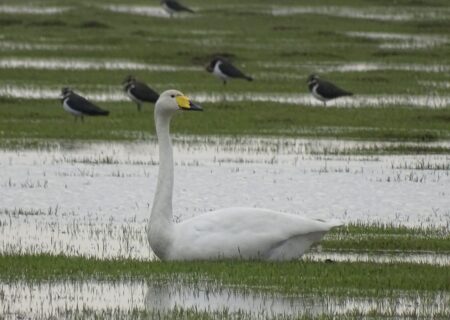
(141, 33)
(388, 53)
(287, 28)
(48, 23)
(436, 25)
(10, 22)
(93, 24)
(373, 79)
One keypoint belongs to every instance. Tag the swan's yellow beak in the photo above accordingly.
(185, 104)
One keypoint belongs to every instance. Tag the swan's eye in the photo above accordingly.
(172, 95)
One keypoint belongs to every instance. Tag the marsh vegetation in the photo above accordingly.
(75, 197)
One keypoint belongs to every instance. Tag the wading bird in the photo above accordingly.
(79, 106)
(323, 90)
(139, 92)
(224, 70)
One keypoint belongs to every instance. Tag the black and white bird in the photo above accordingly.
(139, 92)
(224, 70)
(79, 106)
(324, 91)
(173, 6)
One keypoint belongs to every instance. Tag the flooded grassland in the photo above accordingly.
(93, 201)
(75, 197)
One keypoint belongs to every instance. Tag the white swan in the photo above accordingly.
(233, 233)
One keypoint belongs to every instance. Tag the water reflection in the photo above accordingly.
(120, 299)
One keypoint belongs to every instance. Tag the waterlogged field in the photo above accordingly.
(394, 58)
(100, 194)
(93, 201)
(75, 197)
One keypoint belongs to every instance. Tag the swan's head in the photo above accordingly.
(171, 101)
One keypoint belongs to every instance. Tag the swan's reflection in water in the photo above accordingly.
(121, 299)
(166, 298)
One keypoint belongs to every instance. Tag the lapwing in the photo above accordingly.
(173, 6)
(79, 106)
(323, 90)
(139, 92)
(224, 70)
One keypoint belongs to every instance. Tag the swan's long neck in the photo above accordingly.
(160, 227)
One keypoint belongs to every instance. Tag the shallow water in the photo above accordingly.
(402, 41)
(393, 257)
(369, 13)
(427, 101)
(29, 46)
(121, 298)
(29, 9)
(85, 64)
(362, 66)
(150, 11)
(115, 94)
(101, 194)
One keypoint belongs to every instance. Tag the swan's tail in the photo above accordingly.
(333, 223)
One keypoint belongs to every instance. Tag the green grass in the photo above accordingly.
(44, 120)
(287, 277)
(271, 48)
(387, 239)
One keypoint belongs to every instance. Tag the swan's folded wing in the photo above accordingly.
(247, 233)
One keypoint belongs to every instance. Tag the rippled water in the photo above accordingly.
(120, 299)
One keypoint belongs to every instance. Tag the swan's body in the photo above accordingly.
(233, 233)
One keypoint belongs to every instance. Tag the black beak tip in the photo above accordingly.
(195, 107)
